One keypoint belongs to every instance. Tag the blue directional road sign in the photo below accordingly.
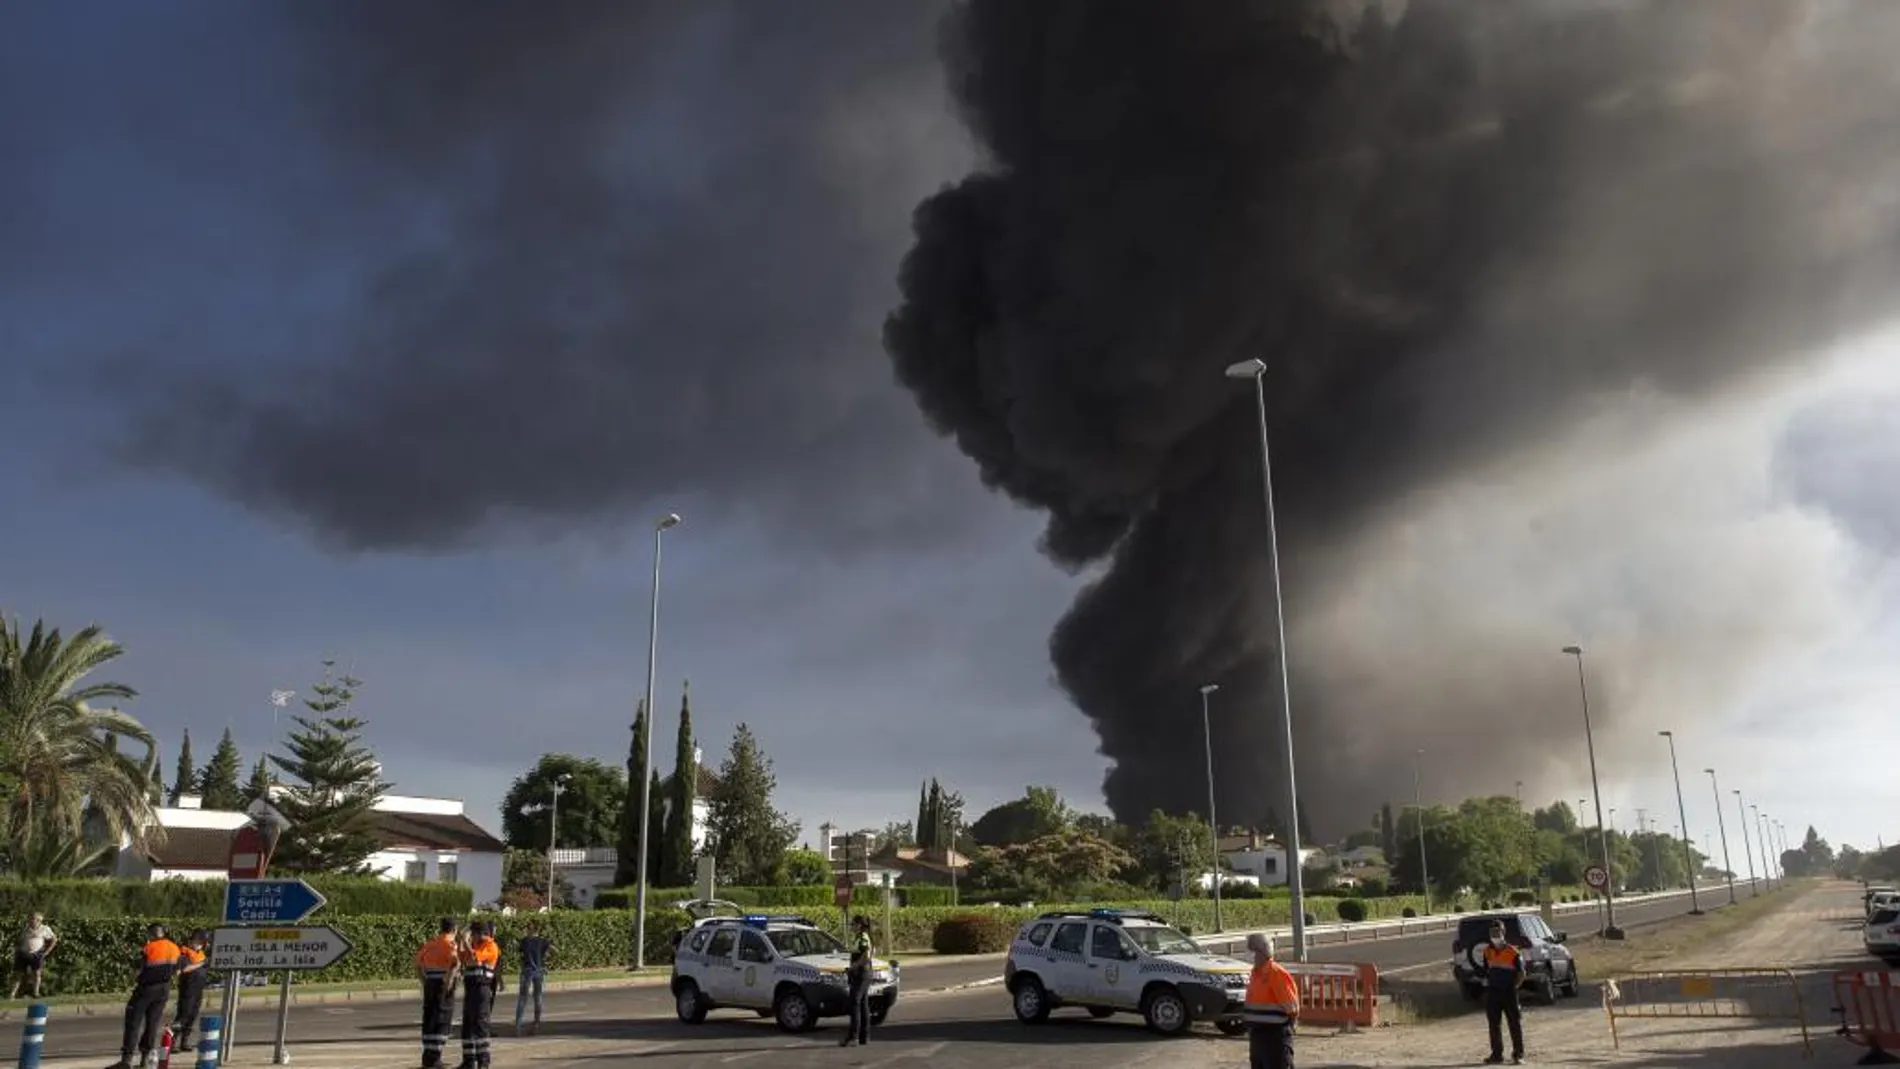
(269, 901)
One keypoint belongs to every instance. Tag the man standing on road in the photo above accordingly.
(435, 967)
(29, 955)
(1503, 971)
(145, 1010)
(191, 988)
(858, 982)
(534, 951)
(481, 978)
(1273, 1007)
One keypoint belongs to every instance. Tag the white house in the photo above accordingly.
(590, 870)
(1262, 858)
(422, 840)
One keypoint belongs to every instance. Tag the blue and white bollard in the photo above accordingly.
(33, 1036)
(210, 1038)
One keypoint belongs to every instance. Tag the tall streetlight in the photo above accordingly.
(1256, 369)
(1520, 794)
(1761, 836)
(1418, 802)
(554, 832)
(1213, 826)
(1610, 930)
(1682, 814)
(1722, 825)
(669, 520)
(1753, 890)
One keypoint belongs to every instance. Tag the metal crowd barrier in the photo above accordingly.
(1344, 995)
(1869, 1005)
(1707, 994)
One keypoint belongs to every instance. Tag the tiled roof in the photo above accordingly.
(192, 849)
(430, 831)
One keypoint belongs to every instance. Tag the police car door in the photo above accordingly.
(755, 971)
(1113, 975)
(1066, 972)
(722, 973)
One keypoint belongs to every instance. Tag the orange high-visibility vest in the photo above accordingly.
(1273, 997)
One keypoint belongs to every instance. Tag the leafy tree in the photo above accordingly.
(1557, 817)
(260, 784)
(1363, 838)
(218, 782)
(1102, 827)
(749, 836)
(676, 854)
(626, 869)
(592, 797)
(1167, 850)
(524, 881)
(896, 833)
(59, 756)
(1848, 863)
(1055, 864)
(1040, 812)
(1818, 855)
(186, 774)
(331, 806)
(806, 868)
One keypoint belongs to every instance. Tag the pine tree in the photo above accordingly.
(187, 773)
(259, 786)
(677, 863)
(626, 867)
(749, 836)
(331, 807)
(218, 783)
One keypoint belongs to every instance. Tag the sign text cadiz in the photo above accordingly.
(269, 949)
(269, 901)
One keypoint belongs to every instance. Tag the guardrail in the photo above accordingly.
(1340, 932)
(1706, 994)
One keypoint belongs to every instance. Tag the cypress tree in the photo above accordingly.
(187, 773)
(331, 807)
(934, 812)
(678, 861)
(922, 830)
(218, 783)
(656, 821)
(626, 865)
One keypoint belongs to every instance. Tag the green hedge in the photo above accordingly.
(95, 954)
(802, 896)
(972, 933)
(106, 898)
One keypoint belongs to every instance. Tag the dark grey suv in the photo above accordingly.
(1549, 968)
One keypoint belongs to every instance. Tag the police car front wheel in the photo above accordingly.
(1166, 1012)
(688, 1003)
(1031, 1001)
(794, 1011)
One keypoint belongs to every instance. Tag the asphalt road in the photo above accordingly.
(931, 1012)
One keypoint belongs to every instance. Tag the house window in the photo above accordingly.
(414, 872)
(446, 872)
(1270, 865)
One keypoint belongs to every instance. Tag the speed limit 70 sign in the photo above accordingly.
(1596, 877)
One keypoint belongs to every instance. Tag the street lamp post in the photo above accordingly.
(1610, 930)
(1256, 369)
(1418, 801)
(1722, 826)
(1753, 890)
(1520, 794)
(671, 519)
(554, 833)
(1213, 826)
(1682, 813)
(1761, 836)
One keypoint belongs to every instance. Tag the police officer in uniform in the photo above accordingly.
(191, 988)
(435, 967)
(858, 977)
(1503, 971)
(481, 978)
(1272, 1009)
(145, 1010)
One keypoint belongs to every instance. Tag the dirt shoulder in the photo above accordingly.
(1810, 929)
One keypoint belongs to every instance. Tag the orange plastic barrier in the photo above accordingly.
(1869, 1005)
(1346, 995)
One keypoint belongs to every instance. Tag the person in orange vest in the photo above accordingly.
(435, 967)
(1272, 1009)
(481, 979)
(145, 1010)
(191, 987)
(1503, 971)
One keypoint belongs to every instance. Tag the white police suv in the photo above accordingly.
(776, 966)
(1122, 961)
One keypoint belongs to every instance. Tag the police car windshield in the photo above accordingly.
(1159, 940)
(798, 942)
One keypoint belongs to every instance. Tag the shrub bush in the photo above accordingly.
(973, 933)
(1352, 910)
(1408, 913)
(106, 899)
(926, 896)
(1523, 898)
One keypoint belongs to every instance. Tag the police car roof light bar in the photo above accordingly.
(760, 920)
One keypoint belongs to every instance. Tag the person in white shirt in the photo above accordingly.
(29, 955)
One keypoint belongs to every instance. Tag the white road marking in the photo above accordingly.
(743, 1055)
(918, 1052)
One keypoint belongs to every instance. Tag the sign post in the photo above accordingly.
(1598, 879)
(249, 859)
(263, 934)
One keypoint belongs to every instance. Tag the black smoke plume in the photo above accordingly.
(1450, 227)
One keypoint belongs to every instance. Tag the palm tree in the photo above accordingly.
(58, 757)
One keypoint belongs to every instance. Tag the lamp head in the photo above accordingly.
(1667, 734)
(671, 519)
(1574, 651)
(1247, 369)
(1710, 771)
(1209, 688)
